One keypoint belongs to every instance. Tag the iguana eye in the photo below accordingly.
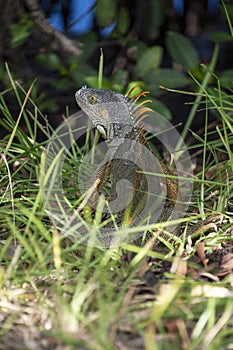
(92, 99)
(101, 129)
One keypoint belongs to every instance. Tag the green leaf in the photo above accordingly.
(136, 87)
(156, 18)
(92, 82)
(149, 60)
(20, 31)
(182, 50)
(226, 78)
(123, 22)
(220, 37)
(106, 12)
(167, 78)
(152, 15)
(89, 43)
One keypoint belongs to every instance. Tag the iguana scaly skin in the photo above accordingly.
(118, 120)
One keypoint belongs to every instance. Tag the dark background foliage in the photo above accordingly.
(155, 42)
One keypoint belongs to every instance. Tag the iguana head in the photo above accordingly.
(110, 112)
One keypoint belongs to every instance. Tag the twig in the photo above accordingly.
(64, 44)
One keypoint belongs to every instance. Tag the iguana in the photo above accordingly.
(119, 121)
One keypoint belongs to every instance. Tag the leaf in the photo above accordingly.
(220, 37)
(226, 77)
(201, 253)
(149, 60)
(135, 87)
(167, 78)
(20, 31)
(89, 46)
(106, 12)
(154, 13)
(123, 22)
(92, 82)
(182, 50)
(157, 17)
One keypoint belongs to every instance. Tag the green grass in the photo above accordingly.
(56, 292)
